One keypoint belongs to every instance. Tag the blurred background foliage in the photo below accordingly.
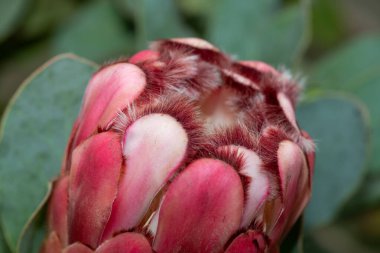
(333, 44)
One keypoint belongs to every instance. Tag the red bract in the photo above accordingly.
(182, 149)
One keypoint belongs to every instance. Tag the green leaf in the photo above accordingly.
(366, 198)
(260, 30)
(156, 19)
(44, 17)
(11, 12)
(311, 246)
(17, 68)
(339, 127)
(3, 244)
(36, 229)
(327, 25)
(94, 32)
(334, 239)
(34, 131)
(197, 7)
(366, 227)
(355, 68)
(349, 66)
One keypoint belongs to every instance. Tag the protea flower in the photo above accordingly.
(182, 149)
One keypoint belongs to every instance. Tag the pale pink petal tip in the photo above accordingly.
(288, 109)
(258, 188)
(195, 42)
(154, 147)
(109, 91)
(294, 176)
(145, 55)
(261, 66)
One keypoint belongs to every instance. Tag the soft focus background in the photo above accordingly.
(334, 45)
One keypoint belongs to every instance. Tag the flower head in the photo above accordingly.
(182, 149)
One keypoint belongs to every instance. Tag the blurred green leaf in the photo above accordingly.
(197, 7)
(350, 66)
(327, 24)
(94, 32)
(34, 130)
(339, 127)
(156, 19)
(3, 244)
(261, 29)
(11, 12)
(36, 229)
(355, 68)
(17, 68)
(367, 197)
(366, 227)
(311, 246)
(45, 15)
(334, 239)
